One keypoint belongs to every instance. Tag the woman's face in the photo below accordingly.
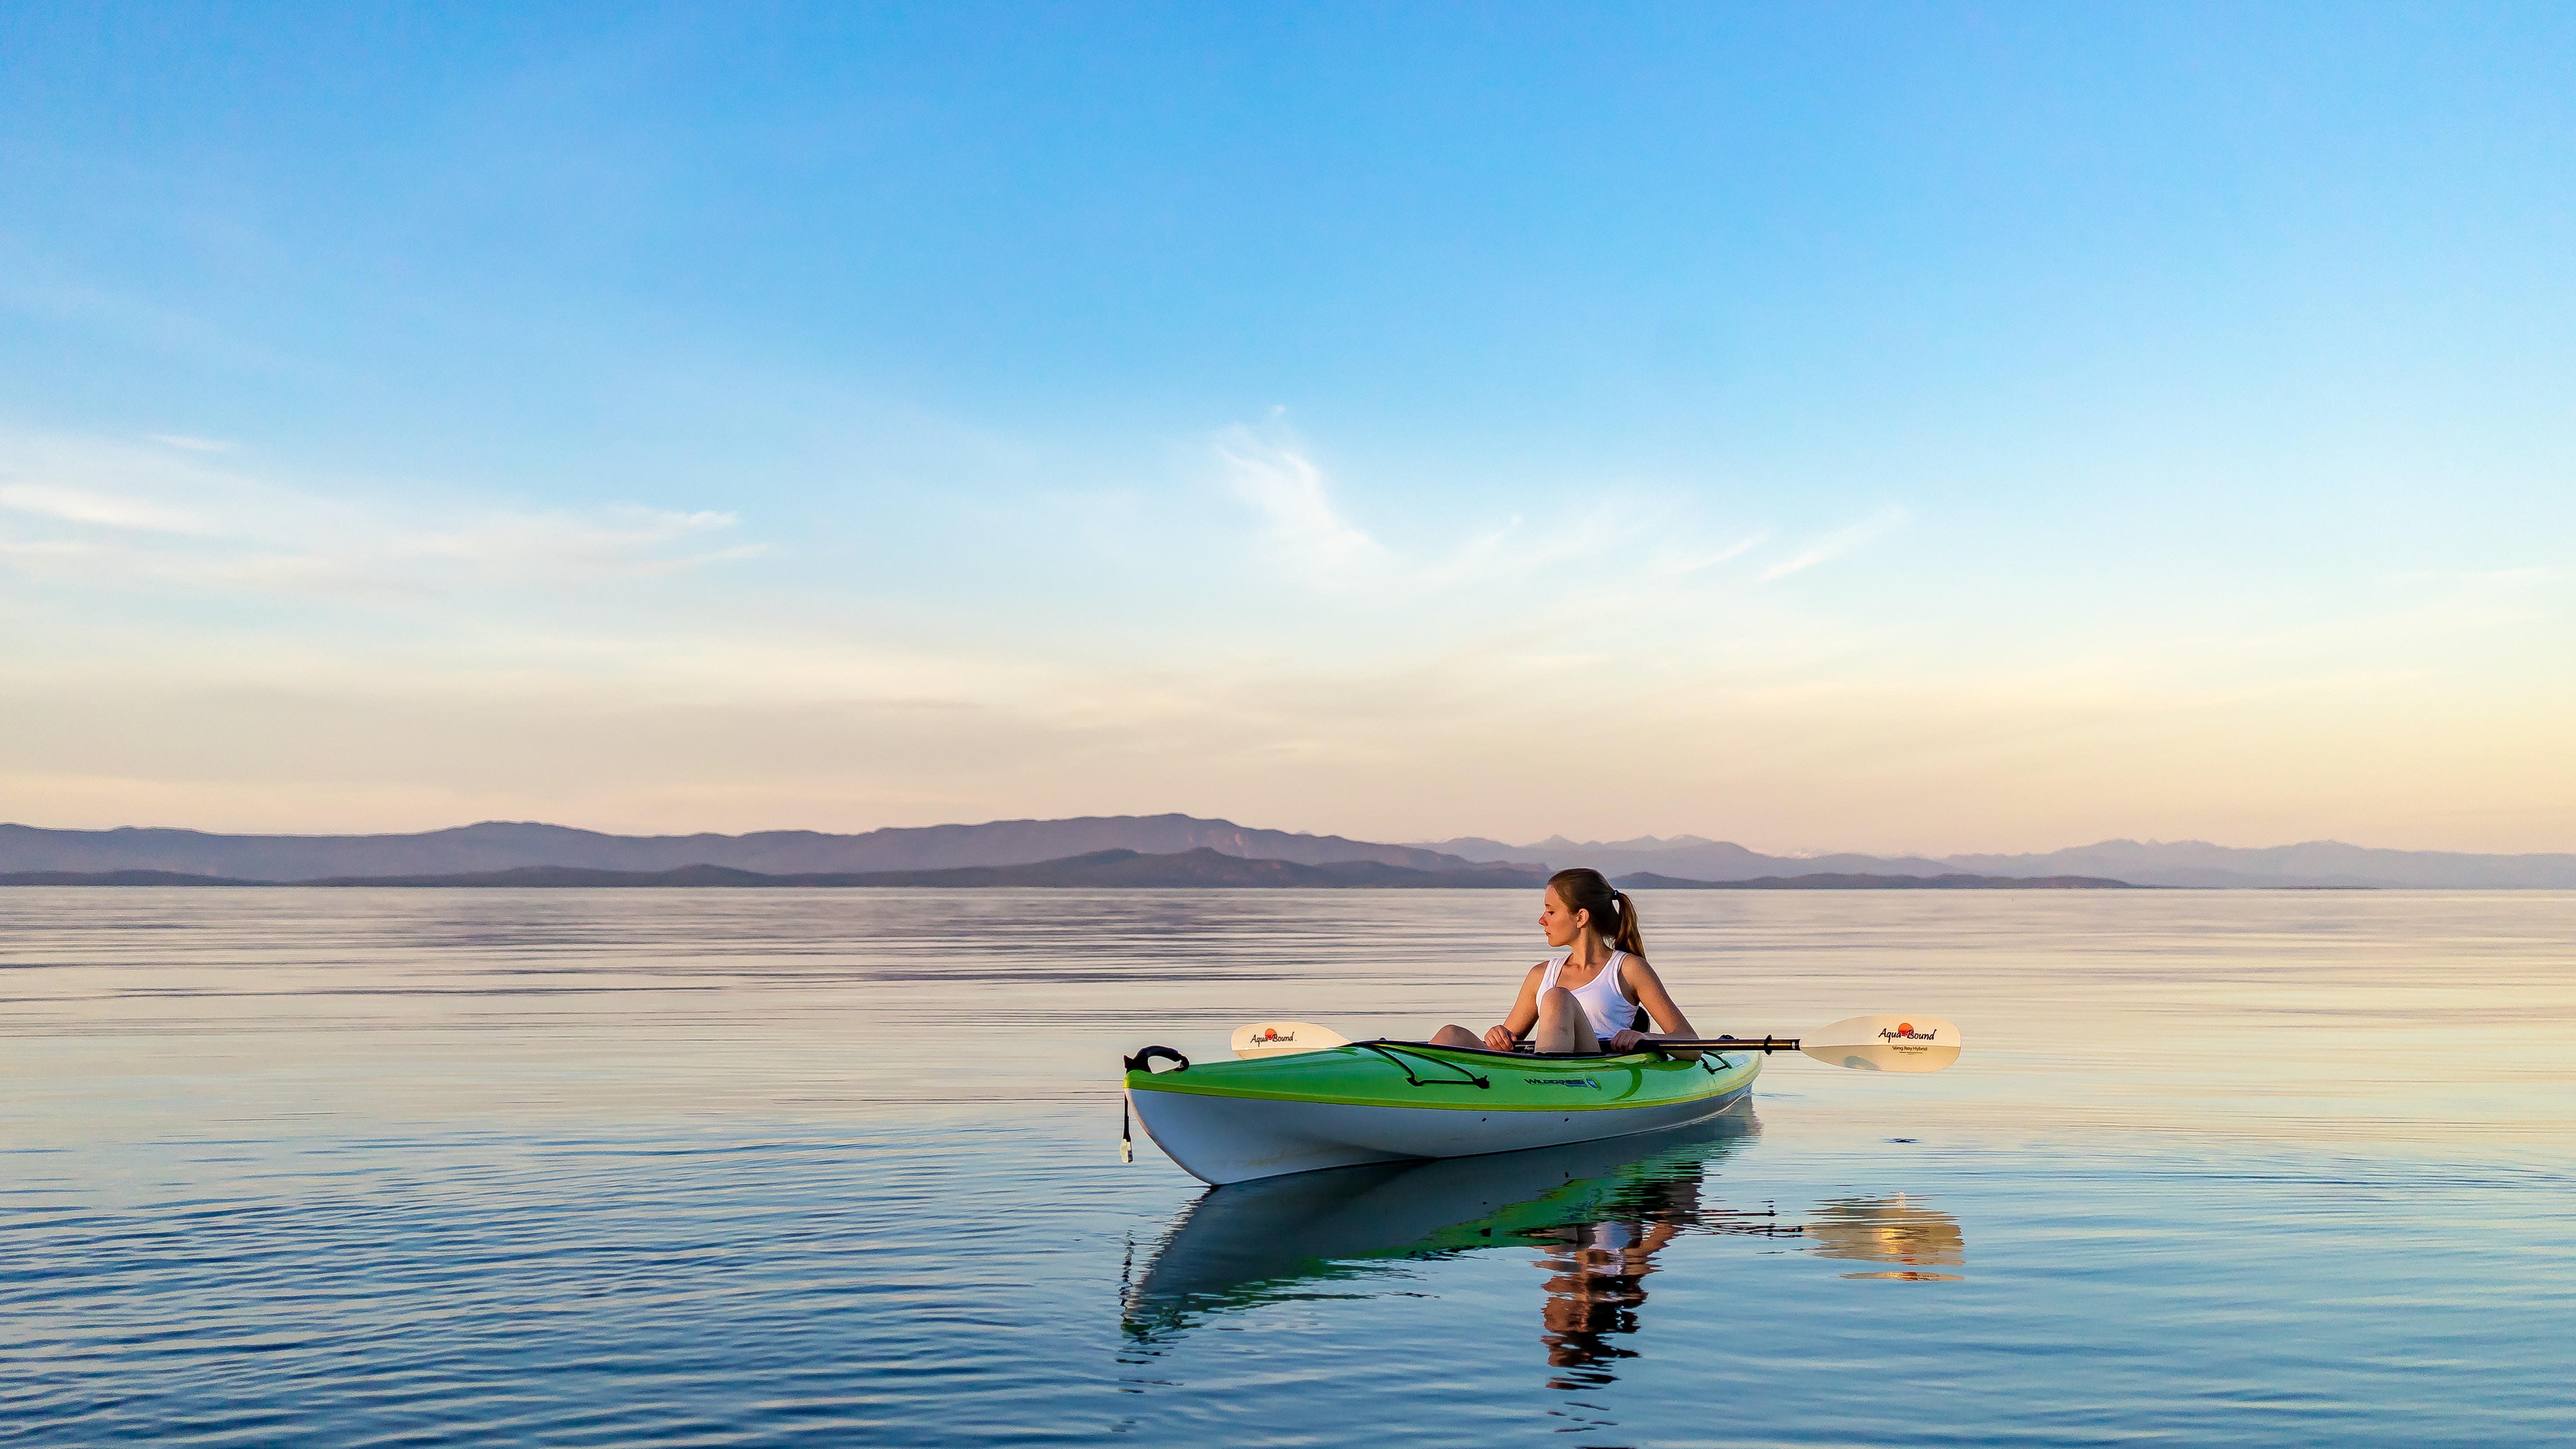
(1560, 925)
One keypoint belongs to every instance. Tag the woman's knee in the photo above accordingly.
(1558, 1003)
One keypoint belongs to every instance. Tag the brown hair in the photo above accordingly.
(1614, 915)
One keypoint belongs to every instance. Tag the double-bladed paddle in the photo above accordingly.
(1896, 1043)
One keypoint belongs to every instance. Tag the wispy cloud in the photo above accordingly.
(1592, 552)
(1672, 563)
(1300, 520)
(108, 510)
(621, 538)
(191, 445)
(1519, 550)
(1303, 527)
(1842, 541)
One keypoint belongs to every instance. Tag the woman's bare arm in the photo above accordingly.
(1524, 1013)
(1659, 1007)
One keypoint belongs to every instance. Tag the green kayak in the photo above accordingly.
(1388, 1101)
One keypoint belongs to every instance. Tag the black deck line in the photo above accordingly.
(1753, 1045)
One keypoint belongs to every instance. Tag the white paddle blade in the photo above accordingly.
(1886, 1043)
(1278, 1038)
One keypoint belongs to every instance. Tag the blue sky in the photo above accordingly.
(1973, 427)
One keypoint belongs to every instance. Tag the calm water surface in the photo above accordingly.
(840, 1167)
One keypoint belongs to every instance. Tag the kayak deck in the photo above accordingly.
(1384, 1101)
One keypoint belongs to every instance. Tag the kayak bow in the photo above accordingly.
(1386, 1101)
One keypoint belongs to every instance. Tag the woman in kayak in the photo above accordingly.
(1594, 993)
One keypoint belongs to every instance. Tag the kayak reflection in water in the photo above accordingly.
(1591, 995)
(1597, 1212)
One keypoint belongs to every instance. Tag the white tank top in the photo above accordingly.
(1609, 1011)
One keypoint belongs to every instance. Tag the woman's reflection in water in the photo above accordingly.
(1596, 1286)
(1596, 1276)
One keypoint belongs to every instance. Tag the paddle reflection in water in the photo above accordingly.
(1892, 1229)
(1598, 1212)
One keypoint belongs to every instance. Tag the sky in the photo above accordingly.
(1929, 427)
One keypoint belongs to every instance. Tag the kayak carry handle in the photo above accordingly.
(1144, 1061)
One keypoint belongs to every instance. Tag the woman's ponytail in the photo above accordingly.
(1631, 938)
(1614, 912)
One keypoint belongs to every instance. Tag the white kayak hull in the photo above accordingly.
(1238, 1139)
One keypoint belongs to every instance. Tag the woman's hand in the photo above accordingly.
(1625, 1041)
(1500, 1038)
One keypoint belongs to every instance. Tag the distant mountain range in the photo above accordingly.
(1648, 880)
(498, 846)
(1689, 857)
(1102, 869)
(1099, 870)
(506, 845)
(1111, 869)
(2163, 863)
